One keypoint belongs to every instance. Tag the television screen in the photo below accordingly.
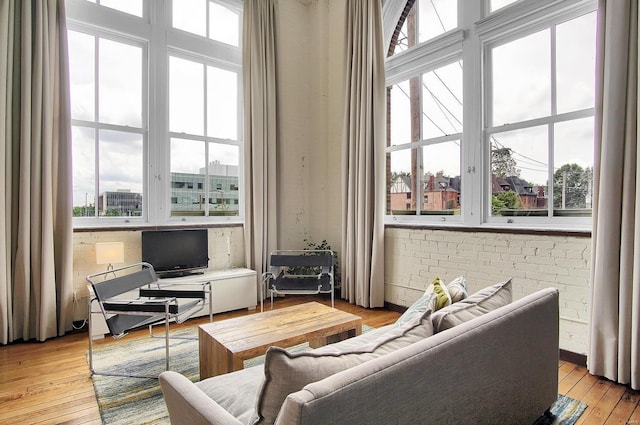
(176, 252)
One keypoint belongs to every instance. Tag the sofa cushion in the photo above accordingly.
(286, 372)
(458, 289)
(475, 305)
(230, 391)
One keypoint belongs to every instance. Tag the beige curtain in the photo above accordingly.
(260, 131)
(35, 159)
(615, 276)
(363, 156)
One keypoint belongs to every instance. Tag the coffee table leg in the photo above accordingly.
(330, 339)
(215, 359)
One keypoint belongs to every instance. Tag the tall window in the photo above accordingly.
(539, 120)
(490, 118)
(156, 111)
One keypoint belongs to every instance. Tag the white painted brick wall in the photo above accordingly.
(84, 255)
(414, 257)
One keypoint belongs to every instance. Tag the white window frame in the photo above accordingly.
(478, 31)
(160, 40)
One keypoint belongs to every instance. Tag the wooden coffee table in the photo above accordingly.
(226, 344)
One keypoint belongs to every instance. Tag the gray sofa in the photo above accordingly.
(498, 368)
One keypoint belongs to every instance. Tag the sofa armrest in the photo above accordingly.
(189, 405)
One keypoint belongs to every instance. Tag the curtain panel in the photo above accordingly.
(363, 156)
(36, 286)
(615, 272)
(260, 131)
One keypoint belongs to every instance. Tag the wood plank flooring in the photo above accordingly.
(49, 382)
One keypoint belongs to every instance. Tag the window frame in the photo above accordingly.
(160, 41)
(479, 30)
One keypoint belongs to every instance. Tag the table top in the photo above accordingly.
(286, 327)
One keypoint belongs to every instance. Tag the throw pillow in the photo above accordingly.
(458, 289)
(443, 298)
(418, 308)
(475, 305)
(286, 372)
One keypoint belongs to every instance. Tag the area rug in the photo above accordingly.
(125, 401)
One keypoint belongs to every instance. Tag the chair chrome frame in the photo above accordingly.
(153, 305)
(280, 262)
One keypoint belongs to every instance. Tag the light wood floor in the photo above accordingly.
(49, 383)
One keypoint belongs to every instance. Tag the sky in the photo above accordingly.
(521, 90)
(120, 94)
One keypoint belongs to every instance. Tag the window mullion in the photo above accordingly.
(551, 128)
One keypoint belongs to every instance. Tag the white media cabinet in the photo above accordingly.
(231, 289)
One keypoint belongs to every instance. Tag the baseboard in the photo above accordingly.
(575, 358)
(395, 307)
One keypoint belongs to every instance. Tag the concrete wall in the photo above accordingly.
(310, 51)
(413, 257)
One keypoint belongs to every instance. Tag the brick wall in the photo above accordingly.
(413, 257)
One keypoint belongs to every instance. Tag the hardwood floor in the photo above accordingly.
(50, 383)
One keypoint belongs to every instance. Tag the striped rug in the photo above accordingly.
(125, 401)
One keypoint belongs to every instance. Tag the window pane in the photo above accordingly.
(519, 172)
(442, 101)
(436, 17)
(121, 174)
(187, 177)
(224, 24)
(222, 103)
(186, 96)
(576, 61)
(499, 4)
(400, 200)
(120, 88)
(223, 170)
(190, 16)
(441, 165)
(82, 75)
(573, 160)
(521, 79)
(133, 7)
(400, 113)
(84, 174)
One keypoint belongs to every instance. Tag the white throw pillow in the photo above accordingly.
(458, 289)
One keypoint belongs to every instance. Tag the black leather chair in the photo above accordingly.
(299, 272)
(131, 297)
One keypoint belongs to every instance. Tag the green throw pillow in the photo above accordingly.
(443, 298)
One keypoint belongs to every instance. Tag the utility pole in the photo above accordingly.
(564, 189)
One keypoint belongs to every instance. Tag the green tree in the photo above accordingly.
(505, 200)
(84, 211)
(113, 212)
(572, 184)
(503, 164)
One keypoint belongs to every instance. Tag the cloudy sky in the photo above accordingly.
(521, 90)
(119, 85)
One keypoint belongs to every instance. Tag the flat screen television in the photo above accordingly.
(176, 252)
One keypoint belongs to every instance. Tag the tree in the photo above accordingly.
(83, 211)
(572, 186)
(505, 200)
(503, 164)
